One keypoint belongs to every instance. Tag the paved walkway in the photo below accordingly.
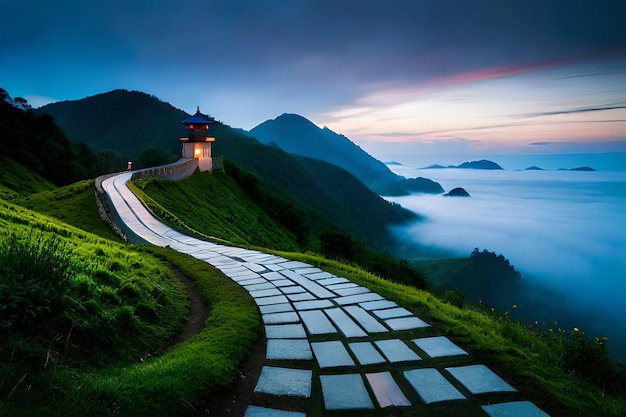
(332, 340)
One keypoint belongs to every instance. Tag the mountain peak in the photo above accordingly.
(296, 134)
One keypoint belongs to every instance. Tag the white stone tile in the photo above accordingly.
(254, 411)
(345, 392)
(478, 379)
(285, 382)
(331, 354)
(277, 318)
(514, 409)
(366, 353)
(395, 350)
(393, 313)
(316, 322)
(344, 323)
(365, 319)
(386, 390)
(288, 349)
(431, 386)
(406, 323)
(438, 346)
(285, 331)
(275, 308)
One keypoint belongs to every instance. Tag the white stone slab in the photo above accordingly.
(288, 349)
(252, 281)
(352, 291)
(365, 319)
(431, 386)
(262, 286)
(366, 353)
(295, 265)
(263, 301)
(514, 409)
(275, 308)
(303, 296)
(285, 331)
(393, 312)
(265, 293)
(344, 323)
(479, 379)
(377, 305)
(308, 271)
(341, 286)
(312, 304)
(406, 323)
(254, 411)
(438, 346)
(331, 354)
(293, 289)
(278, 318)
(282, 283)
(311, 286)
(319, 275)
(271, 276)
(285, 382)
(345, 392)
(386, 390)
(254, 267)
(395, 350)
(316, 322)
(331, 281)
(359, 298)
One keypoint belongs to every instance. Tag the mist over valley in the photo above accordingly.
(561, 229)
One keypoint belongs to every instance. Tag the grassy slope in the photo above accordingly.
(17, 181)
(73, 204)
(230, 214)
(166, 382)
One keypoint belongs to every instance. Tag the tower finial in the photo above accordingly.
(198, 110)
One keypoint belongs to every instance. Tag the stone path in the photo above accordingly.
(331, 340)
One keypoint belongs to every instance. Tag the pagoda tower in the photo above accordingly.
(198, 144)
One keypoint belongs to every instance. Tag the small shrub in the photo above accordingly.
(454, 297)
(34, 280)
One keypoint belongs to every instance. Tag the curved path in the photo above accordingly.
(334, 345)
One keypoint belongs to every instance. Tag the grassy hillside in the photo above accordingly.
(16, 180)
(87, 324)
(215, 206)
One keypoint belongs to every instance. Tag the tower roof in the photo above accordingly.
(199, 118)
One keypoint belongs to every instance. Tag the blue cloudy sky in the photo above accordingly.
(414, 81)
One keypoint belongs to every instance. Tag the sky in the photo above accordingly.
(414, 81)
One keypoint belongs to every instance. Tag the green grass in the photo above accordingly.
(214, 205)
(109, 351)
(17, 181)
(73, 204)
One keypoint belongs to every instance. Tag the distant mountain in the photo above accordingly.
(534, 168)
(582, 169)
(297, 135)
(457, 192)
(482, 164)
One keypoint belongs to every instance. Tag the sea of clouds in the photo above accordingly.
(565, 231)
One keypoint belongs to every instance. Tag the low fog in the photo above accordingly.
(563, 230)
